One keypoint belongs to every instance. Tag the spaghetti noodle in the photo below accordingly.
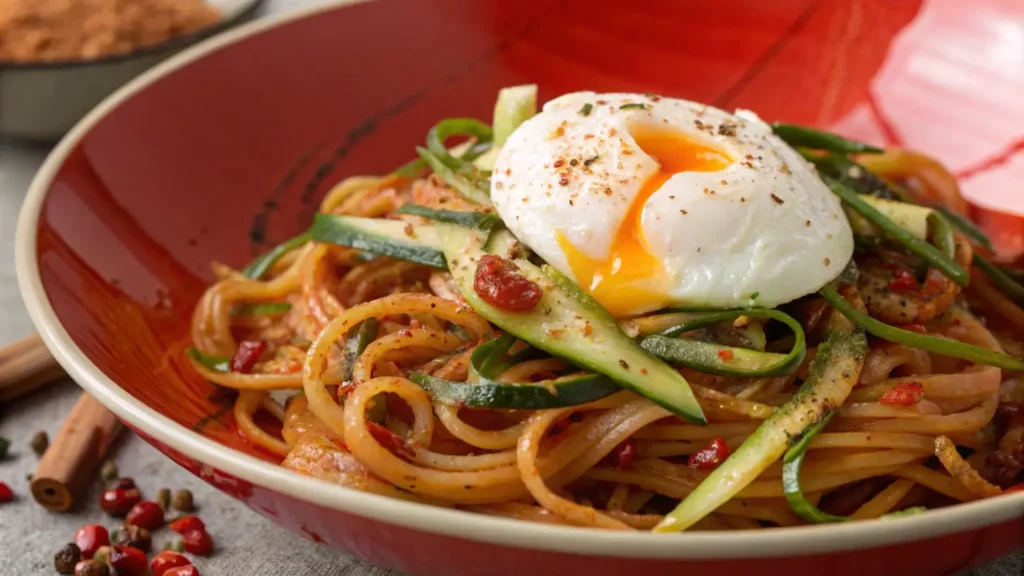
(387, 366)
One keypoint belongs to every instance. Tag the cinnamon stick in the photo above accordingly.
(70, 462)
(25, 366)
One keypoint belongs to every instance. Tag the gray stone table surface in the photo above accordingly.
(246, 543)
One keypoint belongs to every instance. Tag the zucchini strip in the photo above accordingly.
(834, 371)
(258, 267)
(804, 137)
(393, 238)
(262, 309)
(570, 324)
(930, 254)
(471, 127)
(215, 363)
(924, 342)
(490, 360)
(864, 181)
(942, 234)
(459, 183)
(460, 218)
(791, 463)
(1007, 285)
(726, 360)
(359, 337)
(966, 227)
(555, 393)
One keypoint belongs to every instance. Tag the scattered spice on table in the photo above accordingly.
(90, 538)
(133, 536)
(40, 442)
(163, 499)
(66, 558)
(183, 501)
(91, 568)
(108, 471)
(6, 494)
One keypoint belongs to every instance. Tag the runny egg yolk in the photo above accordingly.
(631, 280)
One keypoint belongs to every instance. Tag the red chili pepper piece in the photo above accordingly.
(903, 394)
(248, 353)
(128, 561)
(146, 514)
(903, 281)
(391, 441)
(915, 328)
(198, 542)
(187, 523)
(709, 457)
(6, 494)
(90, 538)
(725, 355)
(118, 502)
(167, 560)
(499, 282)
(183, 571)
(623, 455)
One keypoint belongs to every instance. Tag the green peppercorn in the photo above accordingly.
(108, 471)
(163, 498)
(102, 555)
(176, 545)
(40, 442)
(183, 501)
(91, 568)
(5, 445)
(66, 558)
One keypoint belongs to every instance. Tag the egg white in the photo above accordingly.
(763, 231)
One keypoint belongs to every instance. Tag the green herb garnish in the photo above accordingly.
(634, 106)
(585, 110)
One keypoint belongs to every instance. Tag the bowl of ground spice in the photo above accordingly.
(59, 58)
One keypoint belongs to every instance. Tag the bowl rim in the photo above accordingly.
(776, 542)
(245, 9)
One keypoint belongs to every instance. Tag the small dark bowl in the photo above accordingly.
(42, 101)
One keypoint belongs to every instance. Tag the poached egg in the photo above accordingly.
(650, 202)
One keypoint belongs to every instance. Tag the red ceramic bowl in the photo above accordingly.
(228, 147)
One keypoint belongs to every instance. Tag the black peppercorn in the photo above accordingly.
(66, 558)
(133, 536)
(40, 442)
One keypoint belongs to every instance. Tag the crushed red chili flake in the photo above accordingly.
(500, 284)
(725, 355)
(903, 281)
(248, 353)
(391, 441)
(709, 457)
(623, 455)
(903, 394)
(915, 328)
